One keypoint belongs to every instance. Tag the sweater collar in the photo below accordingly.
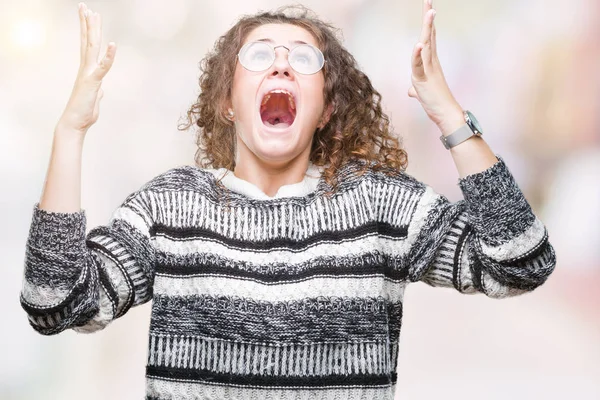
(307, 185)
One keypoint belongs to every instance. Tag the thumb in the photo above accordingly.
(413, 93)
(97, 105)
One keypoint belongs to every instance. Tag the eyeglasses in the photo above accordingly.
(259, 56)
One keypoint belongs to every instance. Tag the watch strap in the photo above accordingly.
(460, 135)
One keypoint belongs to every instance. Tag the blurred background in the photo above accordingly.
(529, 71)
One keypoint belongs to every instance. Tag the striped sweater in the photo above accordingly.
(296, 296)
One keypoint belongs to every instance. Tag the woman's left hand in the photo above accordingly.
(429, 85)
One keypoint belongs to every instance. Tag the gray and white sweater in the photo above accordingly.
(296, 296)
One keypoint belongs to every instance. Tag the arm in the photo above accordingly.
(491, 242)
(430, 88)
(79, 282)
(62, 189)
(71, 282)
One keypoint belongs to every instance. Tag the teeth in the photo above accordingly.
(280, 91)
(265, 99)
(268, 96)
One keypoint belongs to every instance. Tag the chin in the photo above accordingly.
(277, 149)
(279, 143)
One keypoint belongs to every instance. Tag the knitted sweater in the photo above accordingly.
(296, 296)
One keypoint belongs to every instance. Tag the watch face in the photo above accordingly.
(475, 122)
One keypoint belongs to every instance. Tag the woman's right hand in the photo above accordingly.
(83, 106)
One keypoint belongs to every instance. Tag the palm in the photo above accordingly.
(83, 107)
(429, 85)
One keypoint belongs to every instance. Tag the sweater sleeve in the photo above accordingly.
(83, 282)
(491, 242)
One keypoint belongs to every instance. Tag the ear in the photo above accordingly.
(227, 111)
(326, 115)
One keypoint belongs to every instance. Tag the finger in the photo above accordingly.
(99, 33)
(418, 70)
(83, 32)
(93, 40)
(106, 63)
(426, 37)
(433, 41)
(427, 5)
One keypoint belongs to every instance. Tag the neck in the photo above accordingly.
(269, 177)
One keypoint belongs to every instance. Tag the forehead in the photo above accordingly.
(281, 34)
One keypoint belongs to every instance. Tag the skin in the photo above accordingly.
(266, 159)
(270, 162)
(429, 87)
(62, 188)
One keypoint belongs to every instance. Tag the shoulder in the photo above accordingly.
(384, 178)
(180, 178)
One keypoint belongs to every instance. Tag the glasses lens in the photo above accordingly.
(306, 59)
(256, 56)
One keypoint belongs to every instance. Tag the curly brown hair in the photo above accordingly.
(358, 129)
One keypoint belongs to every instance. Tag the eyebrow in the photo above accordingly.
(273, 42)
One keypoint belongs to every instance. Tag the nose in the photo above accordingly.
(281, 67)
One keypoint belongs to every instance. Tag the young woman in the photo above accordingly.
(277, 266)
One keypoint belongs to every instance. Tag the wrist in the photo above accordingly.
(66, 136)
(452, 122)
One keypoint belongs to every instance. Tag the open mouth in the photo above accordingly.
(278, 109)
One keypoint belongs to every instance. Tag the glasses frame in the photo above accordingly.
(275, 56)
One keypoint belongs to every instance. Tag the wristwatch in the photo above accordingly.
(468, 130)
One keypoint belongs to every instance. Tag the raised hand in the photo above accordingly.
(429, 85)
(83, 106)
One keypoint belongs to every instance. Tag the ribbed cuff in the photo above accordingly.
(56, 231)
(496, 205)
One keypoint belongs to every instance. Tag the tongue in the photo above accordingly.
(277, 118)
(277, 112)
